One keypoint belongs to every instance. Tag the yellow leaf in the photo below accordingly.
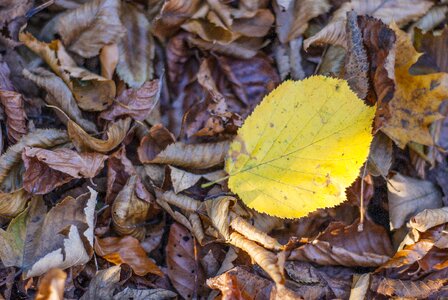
(416, 99)
(301, 148)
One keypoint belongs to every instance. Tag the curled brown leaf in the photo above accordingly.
(13, 104)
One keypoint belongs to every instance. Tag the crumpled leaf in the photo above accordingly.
(346, 246)
(52, 285)
(218, 211)
(59, 95)
(399, 11)
(406, 288)
(45, 170)
(102, 286)
(292, 17)
(11, 159)
(147, 294)
(183, 180)
(267, 260)
(13, 105)
(240, 282)
(86, 29)
(129, 213)
(198, 156)
(135, 103)
(408, 196)
(311, 147)
(416, 99)
(85, 142)
(38, 241)
(11, 204)
(429, 218)
(126, 250)
(184, 272)
(136, 48)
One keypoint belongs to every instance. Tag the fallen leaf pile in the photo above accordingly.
(155, 149)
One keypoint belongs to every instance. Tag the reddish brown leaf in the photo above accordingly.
(184, 271)
(15, 115)
(46, 169)
(135, 103)
(126, 250)
(406, 288)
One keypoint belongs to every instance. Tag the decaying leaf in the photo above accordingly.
(102, 286)
(185, 273)
(52, 285)
(380, 156)
(148, 294)
(416, 100)
(135, 62)
(179, 200)
(91, 26)
(406, 288)
(129, 213)
(409, 196)
(45, 170)
(126, 250)
(59, 243)
(200, 156)
(85, 142)
(135, 103)
(13, 104)
(311, 147)
(183, 180)
(429, 218)
(13, 203)
(11, 159)
(346, 246)
(218, 211)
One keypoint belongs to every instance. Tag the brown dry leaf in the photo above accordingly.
(406, 288)
(91, 91)
(119, 170)
(59, 243)
(136, 48)
(416, 100)
(135, 103)
(218, 211)
(109, 60)
(356, 63)
(59, 95)
(11, 204)
(360, 286)
(239, 281)
(399, 11)
(103, 285)
(154, 142)
(198, 156)
(183, 180)
(172, 14)
(184, 271)
(13, 105)
(85, 142)
(12, 158)
(292, 17)
(432, 47)
(409, 255)
(267, 260)
(51, 286)
(380, 155)
(408, 196)
(126, 250)
(146, 294)
(129, 213)
(346, 246)
(12, 9)
(179, 200)
(86, 29)
(45, 170)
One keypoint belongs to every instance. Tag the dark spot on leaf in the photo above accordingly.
(186, 238)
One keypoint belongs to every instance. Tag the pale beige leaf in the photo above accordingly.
(59, 95)
(409, 196)
(431, 19)
(243, 227)
(109, 60)
(44, 138)
(380, 156)
(86, 29)
(265, 259)
(360, 286)
(136, 48)
(183, 180)
(196, 227)
(85, 142)
(218, 212)
(179, 200)
(199, 156)
(429, 218)
(129, 213)
(103, 285)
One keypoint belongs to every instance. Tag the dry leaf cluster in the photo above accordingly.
(117, 118)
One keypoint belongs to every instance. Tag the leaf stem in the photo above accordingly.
(208, 184)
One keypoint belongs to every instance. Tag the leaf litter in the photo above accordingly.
(195, 149)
